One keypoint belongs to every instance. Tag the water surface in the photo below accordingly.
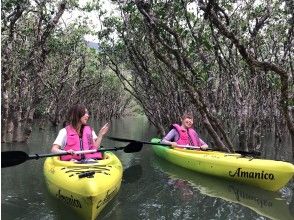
(151, 189)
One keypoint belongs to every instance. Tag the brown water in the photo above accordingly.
(151, 189)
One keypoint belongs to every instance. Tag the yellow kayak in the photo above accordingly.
(267, 174)
(86, 188)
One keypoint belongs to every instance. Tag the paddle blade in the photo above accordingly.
(12, 158)
(133, 147)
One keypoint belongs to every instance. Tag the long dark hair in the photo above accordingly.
(74, 114)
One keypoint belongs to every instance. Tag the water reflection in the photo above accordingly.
(187, 183)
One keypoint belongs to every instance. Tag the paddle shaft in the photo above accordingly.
(37, 156)
(153, 143)
(12, 158)
(255, 153)
(246, 153)
(178, 145)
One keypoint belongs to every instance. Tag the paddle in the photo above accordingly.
(12, 158)
(245, 153)
(152, 143)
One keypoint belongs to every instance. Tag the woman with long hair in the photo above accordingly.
(77, 135)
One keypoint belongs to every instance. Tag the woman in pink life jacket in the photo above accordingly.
(184, 134)
(77, 135)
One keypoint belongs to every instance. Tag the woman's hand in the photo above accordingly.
(71, 151)
(204, 147)
(173, 144)
(104, 130)
(101, 133)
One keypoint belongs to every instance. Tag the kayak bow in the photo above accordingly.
(85, 187)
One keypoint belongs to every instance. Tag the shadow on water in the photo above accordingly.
(265, 203)
(132, 174)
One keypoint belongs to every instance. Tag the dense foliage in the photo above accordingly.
(47, 66)
(228, 62)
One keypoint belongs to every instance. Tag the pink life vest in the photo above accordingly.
(73, 141)
(184, 136)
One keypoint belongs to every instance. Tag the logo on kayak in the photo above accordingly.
(252, 175)
(107, 198)
(69, 200)
(242, 196)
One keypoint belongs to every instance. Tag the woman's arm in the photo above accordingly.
(170, 136)
(56, 149)
(60, 142)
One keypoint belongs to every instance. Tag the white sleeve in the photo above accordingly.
(61, 138)
(94, 135)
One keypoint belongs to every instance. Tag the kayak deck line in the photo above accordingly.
(198, 151)
(267, 174)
